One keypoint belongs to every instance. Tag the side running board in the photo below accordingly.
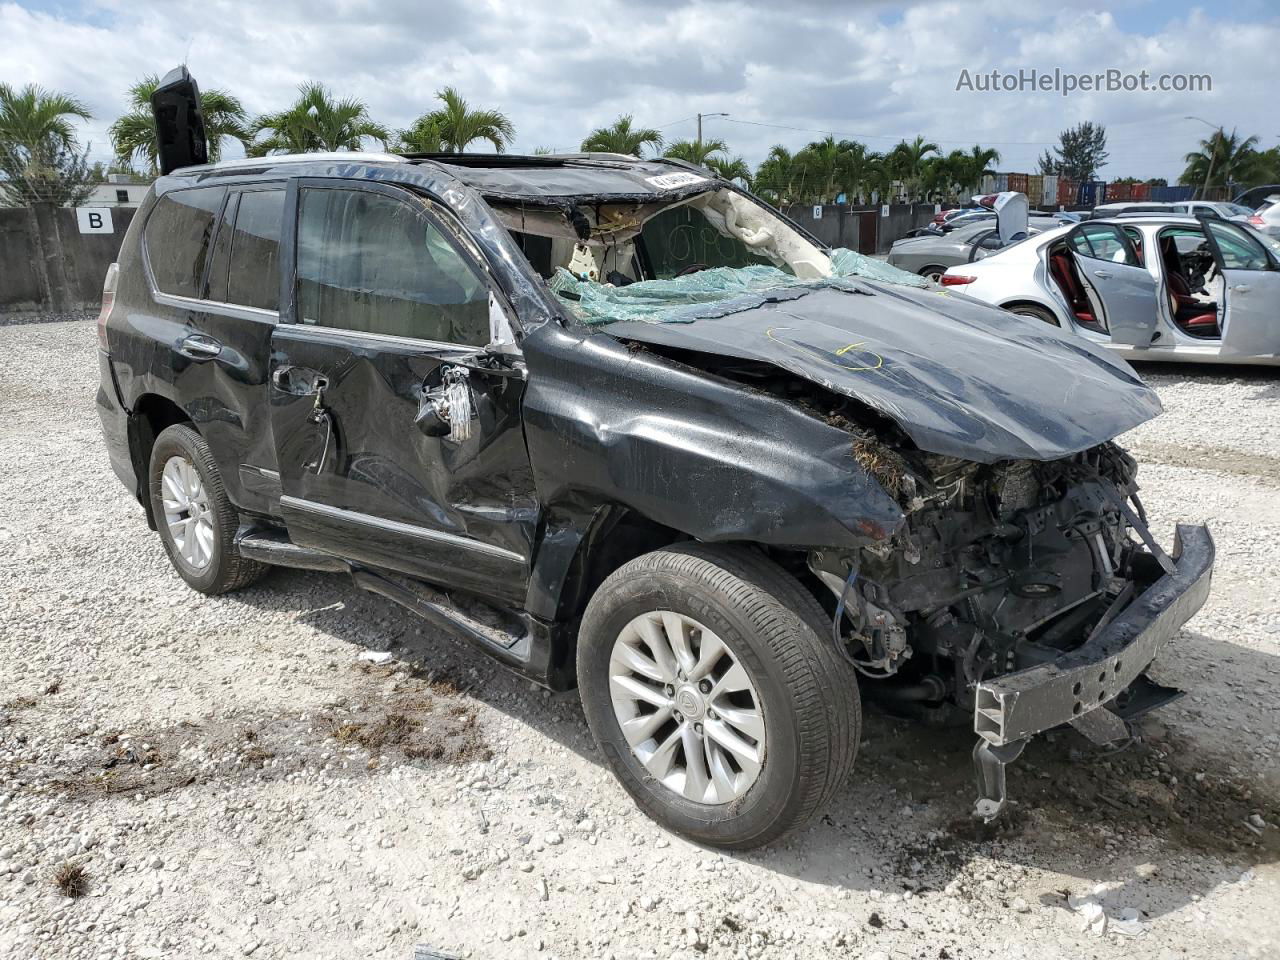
(275, 547)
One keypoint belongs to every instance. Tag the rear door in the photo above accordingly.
(397, 428)
(1251, 308)
(211, 335)
(1108, 264)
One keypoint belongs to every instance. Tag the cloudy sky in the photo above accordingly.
(785, 72)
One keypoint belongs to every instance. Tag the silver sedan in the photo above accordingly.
(1150, 288)
(930, 255)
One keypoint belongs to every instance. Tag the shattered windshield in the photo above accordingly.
(675, 261)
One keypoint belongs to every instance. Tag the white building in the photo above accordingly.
(119, 190)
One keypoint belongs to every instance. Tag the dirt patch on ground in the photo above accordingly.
(1218, 459)
(417, 720)
(1064, 790)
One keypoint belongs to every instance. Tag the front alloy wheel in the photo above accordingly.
(687, 707)
(715, 694)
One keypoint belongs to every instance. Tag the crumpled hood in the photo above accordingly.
(961, 378)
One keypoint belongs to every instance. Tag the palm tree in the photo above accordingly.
(787, 178)
(1222, 158)
(33, 116)
(907, 161)
(423, 137)
(133, 136)
(735, 169)
(858, 168)
(622, 137)
(458, 126)
(316, 122)
(39, 154)
(695, 151)
(821, 160)
(774, 179)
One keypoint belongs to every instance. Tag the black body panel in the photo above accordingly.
(387, 494)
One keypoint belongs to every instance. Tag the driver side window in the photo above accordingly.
(376, 264)
(1239, 250)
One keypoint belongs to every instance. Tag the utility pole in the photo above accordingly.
(700, 116)
(1216, 137)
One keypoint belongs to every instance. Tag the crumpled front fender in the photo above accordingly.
(691, 451)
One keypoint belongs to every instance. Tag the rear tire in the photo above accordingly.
(197, 522)
(807, 716)
(1038, 313)
(933, 273)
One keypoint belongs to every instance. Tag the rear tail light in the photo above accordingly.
(1257, 221)
(108, 301)
(953, 280)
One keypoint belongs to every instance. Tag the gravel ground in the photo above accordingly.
(226, 777)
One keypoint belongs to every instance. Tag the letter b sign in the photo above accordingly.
(94, 219)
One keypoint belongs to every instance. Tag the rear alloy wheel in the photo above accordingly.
(711, 685)
(187, 513)
(1038, 313)
(196, 520)
(933, 273)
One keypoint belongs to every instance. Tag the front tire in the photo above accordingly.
(197, 522)
(715, 694)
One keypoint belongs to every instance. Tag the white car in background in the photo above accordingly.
(1151, 288)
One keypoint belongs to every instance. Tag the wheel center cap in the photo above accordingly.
(689, 702)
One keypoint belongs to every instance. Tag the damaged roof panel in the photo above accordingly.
(561, 180)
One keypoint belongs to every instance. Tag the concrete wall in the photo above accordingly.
(46, 263)
(863, 229)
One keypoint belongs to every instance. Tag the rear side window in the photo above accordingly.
(177, 238)
(370, 262)
(254, 278)
(1103, 242)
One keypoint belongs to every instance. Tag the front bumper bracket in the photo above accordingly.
(1010, 709)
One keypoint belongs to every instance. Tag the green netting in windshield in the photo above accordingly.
(715, 292)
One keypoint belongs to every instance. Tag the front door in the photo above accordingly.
(1126, 293)
(1251, 293)
(397, 430)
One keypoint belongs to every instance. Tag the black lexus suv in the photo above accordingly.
(620, 424)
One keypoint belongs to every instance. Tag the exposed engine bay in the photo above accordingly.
(998, 567)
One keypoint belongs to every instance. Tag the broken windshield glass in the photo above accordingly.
(715, 292)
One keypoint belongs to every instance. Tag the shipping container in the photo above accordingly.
(1050, 196)
(1141, 191)
(1091, 193)
(1018, 182)
(1035, 189)
(988, 184)
(1117, 192)
(1002, 182)
(1067, 192)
